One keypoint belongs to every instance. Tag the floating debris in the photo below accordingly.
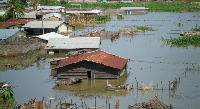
(190, 34)
(125, 87)
(154, 103)
(68, 81)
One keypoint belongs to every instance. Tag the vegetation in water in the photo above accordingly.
(120, 17)
(178, 6)
(144, 28)
(197, 29)
(183, 41)
(103, 19)
(6, 98)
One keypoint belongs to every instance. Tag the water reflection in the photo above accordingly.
(21, 62)
(90, 88)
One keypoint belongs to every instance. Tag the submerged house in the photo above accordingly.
(85, 12)
(44, 38)
(11, 34)
(134, 10)
(63, 45)
(36, 27)
(92, 65)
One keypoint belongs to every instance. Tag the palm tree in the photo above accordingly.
(15, 10)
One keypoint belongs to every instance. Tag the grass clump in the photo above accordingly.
(144, 28)
(183, 41)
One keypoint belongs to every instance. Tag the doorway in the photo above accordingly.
(89, 74)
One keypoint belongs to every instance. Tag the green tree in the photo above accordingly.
(2, 18)
(34, 3)
(44, 2)
(15, 10)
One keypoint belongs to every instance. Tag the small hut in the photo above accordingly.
(92, 65)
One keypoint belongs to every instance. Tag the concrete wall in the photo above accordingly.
(63, 28)
(18, 47)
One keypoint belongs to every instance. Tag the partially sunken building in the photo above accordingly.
(92, 65)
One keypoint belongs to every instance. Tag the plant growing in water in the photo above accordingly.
(197, 29)
(183, 41)
(6, 98)
(144, 28)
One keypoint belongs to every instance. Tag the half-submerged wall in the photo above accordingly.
(87, 69)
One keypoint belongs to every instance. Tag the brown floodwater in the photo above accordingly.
(151, 60)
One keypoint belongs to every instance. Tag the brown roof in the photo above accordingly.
(14, 22)
(97, 56)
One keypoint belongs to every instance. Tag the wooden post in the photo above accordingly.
(169, 85)
(117, 104)
(95, 103)
(157, 86)
(106, 103)
(137, 85)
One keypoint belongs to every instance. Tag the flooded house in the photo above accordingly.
(37, 27)
(85, 12)
(44, 38)
(10, 34)
(14, 42)
(64, 45)
(134, 10)
(92, 65)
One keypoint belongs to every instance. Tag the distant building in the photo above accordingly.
(134, 10)
(92, 65)
(52, 17)
(14, 23)
(63, 45)
(36, 27)
(51, 8)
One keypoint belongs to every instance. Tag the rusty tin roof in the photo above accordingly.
(97, 56)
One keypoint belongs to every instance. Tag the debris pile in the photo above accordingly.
(4, 86)
(77, 52)
(154, 103)
(129, 32)
(68, 81)
(103, 34)
(190, 34)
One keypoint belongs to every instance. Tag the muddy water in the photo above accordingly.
(150, 61)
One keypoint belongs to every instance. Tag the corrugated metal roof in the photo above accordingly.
(133, 8)
(47, 36)
(98, 56)
(30, 15)
(74, 43)
(46, 24)
(52, 15)
(7, 33)
(50, 7)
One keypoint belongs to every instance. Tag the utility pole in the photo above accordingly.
(42, 23)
